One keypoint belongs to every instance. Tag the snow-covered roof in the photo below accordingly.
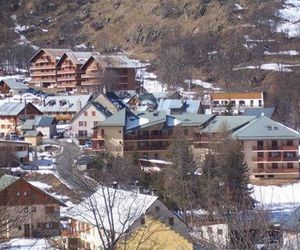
(188, 106)
(14, 84)
(66, 103)
(126, 208)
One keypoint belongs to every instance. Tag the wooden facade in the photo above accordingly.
(30, 211)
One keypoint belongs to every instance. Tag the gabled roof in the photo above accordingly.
(230, 123)
(235, 95)
(114, 61)
(44, 121)
(97, 106)
(13, 108)
(33, 133)
(293, 221)
(56, 53)
(14, 84)
(263, 128)
(126, 208)
(6, 180)
(144, 119)
(187, 106)
(115, 100)
(258, 112)
(78, 58)
(116, 120)
(66, 103)
(28, 124)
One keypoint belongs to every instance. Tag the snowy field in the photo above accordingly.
(26, 244)
(290, 13)
(279, 200)
(271, 66)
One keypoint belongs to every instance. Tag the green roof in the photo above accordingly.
(230, 123)
(263, 128)
(116, 120)
(6, 180)
(193, 119)
(33, 133)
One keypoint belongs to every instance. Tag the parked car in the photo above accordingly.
(28, 166)
(88, 144)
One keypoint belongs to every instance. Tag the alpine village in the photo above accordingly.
(149, 124)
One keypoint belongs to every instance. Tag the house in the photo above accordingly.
(12, 87)
(148, 134)
(29, 212)
(43, 71)
(19, 148)
(117, 72)
(63, 108)
(89, 116)
(44, 124)
(12, 114)
(258, 112)
(68, 70)
(34, 137)
(291, 231)
(239, 101)
(136, 219)
(175, 106)
(271, 149)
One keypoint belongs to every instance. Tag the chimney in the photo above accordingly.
(262, 114)
(115, 185)
(104, 89)
(78, 105)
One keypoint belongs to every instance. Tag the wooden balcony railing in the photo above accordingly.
(277, 170)
(146, 148)
(270, 148)
(146, 137)
(274, 159)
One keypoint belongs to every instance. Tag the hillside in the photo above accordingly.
(247, 44)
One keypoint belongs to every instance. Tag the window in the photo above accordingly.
(102, 132)
(93, 113)
(19, 227)
(80, 123)
(33, 209)
(219, 231)
(289, 143)
(259, 103)
(143, 221)
(260, 144)
(25, 194)
(209, 229)
(95, 123)
(290, 165)
(85, 113)
(274, 165)
(171, 221)
(251, 103)
(18, 194)
(3, 126)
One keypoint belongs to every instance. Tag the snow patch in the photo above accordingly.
(26, 244)
(283, 53)
(291, 17)
(205, 85)
(271, 66)
(81, 46)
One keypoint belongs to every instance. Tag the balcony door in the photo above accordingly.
(260, 145)
(274, 144)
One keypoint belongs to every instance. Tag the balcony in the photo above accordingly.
(276, 170)
(275, 159)
(146, 137)
(32, 68)
(43, 73)
(278, 148)
(61, 79)
(146, 148)
(98, 138)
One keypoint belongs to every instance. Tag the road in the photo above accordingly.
(64, 163)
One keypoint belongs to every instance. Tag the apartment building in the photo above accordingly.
(139, 220)
(239, 100)
(43, 71)
(117, 72)
(149, 134)
(27, 211)
(69, 70)
(271, 149)
(83, 72)
(12, 114)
